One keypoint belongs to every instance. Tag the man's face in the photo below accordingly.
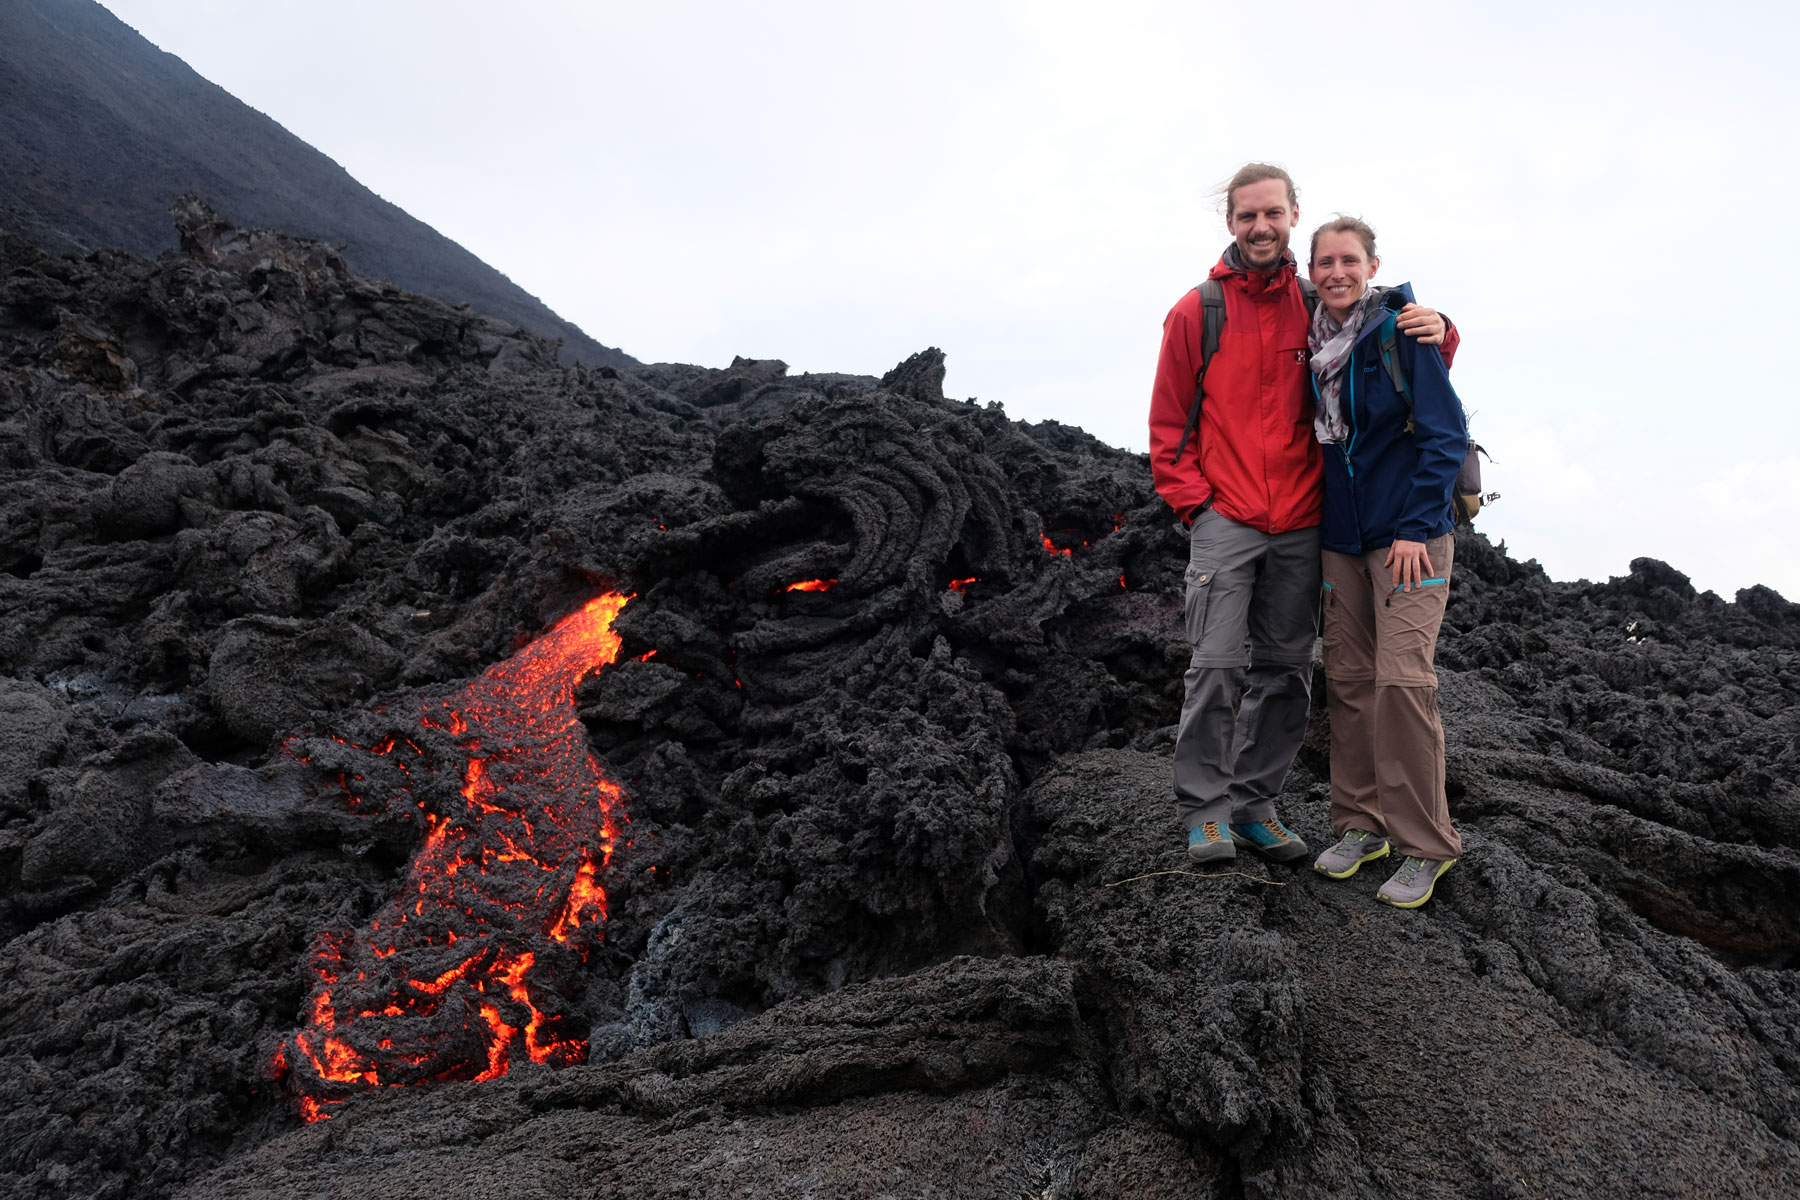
(1261, 220)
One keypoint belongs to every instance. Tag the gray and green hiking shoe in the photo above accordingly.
(1269, 838)
(1207, 842)
(1411, 885)
(1355, 848)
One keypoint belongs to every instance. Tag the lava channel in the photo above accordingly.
(454, 977)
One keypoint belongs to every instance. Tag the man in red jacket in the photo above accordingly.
(1247, 486)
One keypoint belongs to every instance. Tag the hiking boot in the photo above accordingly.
(1271, 839)
(1355, 848)
(1411, 885)
(1207, 842)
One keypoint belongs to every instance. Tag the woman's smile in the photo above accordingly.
(1341, 268)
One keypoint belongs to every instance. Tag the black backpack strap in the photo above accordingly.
(1390, 358)
(1212, 325)
(1308, 293)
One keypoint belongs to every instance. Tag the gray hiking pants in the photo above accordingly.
(1252, 614)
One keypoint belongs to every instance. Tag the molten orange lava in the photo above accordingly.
(1052, 548)
(584, 896)
(962, 585)
(447, 982)
(812, 585)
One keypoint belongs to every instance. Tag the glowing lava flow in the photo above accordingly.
(812, 585)
(450, 979)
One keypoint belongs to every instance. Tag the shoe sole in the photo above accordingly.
(1219, 851)
(1355, 866)
(1444, 870)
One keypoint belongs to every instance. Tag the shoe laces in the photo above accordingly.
(1354, 837)
(1409, 870)
(1275, 829)
(1211, 830)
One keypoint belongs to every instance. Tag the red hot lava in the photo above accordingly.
(450, 979)
(812, 585)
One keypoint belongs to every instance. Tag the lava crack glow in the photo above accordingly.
(455, 977)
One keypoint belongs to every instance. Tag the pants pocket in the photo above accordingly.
(1331, 628)
(1197, 598)
(1344, 642)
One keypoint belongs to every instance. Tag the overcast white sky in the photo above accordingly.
(1600, 194)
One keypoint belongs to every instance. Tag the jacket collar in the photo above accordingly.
(1404, 290)
(1231, 263)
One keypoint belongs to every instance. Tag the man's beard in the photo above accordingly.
(1268, 253)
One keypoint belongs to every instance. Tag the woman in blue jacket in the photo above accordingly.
(1391, 462)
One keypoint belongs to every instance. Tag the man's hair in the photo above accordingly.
(1256, 173)
(1344, 224)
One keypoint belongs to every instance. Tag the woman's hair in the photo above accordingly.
(1256, 173)
(1344, 224)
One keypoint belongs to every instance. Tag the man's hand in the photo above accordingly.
(1410, 563)
(1426, 324)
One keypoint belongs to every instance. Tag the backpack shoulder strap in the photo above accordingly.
(1212, 319)
(1212, 326)
(1390, 358)
(1308, 293)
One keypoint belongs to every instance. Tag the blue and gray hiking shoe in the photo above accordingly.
(1270, 838)
(1207, 842)
(1355, 848)
(1411, 885)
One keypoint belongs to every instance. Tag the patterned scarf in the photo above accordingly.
(1330, 344)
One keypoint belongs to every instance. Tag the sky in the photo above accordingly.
(1596, 193)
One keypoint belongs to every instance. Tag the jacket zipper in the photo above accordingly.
(1349, 467)
(1349, 463)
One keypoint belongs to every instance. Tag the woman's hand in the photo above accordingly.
(1410, 563)
(1426, 324)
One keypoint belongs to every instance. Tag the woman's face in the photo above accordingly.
(1341, 270)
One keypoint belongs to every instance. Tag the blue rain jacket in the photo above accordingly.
(1383, 484)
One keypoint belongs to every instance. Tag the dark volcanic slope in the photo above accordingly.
(900, 909)
(100, 130)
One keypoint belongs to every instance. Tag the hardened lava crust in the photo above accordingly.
(427, 769)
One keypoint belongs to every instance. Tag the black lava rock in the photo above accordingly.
(901, 906)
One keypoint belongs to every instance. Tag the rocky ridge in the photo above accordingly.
(99, 128)
(903, 910)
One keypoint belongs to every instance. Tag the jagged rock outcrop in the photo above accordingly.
(901, 907)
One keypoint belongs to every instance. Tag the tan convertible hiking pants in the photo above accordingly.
(1387, 741)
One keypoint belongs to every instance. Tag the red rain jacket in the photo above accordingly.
(1254, 452)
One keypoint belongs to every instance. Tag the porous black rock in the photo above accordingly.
(902, 907)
